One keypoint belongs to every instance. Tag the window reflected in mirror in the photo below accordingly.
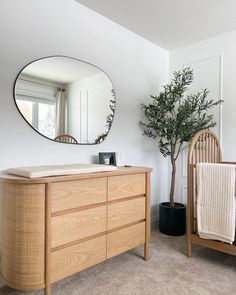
(66, 100)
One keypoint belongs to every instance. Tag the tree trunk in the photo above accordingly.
(172, 187)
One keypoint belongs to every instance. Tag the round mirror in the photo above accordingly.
(66, 100)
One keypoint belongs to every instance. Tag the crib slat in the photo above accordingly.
(209, 149)
(199, 150)
(206, 148)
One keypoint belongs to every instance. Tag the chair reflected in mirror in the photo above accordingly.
(65, 138)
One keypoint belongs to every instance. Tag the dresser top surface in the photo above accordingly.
(50, 179)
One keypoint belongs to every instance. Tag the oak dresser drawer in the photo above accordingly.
(78, 193)
(126, 186)
(125, 239)
(74, 226)
(125, 212)
(75, 258)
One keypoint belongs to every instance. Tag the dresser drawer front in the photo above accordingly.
(70, 260)
(78, 225)
(126, 186)
(125, 212)
(78, 193)
(125, 239)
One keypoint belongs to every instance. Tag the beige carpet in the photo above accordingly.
(169, 271)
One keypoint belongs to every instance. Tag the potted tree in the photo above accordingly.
(172, 118)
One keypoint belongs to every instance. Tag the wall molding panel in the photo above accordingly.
(219, 88)
(202, 67)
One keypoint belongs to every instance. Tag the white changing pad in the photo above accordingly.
(55, 170)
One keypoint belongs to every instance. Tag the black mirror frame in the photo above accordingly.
(14, 85)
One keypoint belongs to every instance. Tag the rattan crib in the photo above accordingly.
(205, 147)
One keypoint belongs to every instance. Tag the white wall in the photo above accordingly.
(35, 29)
(135, 66)
(214, 64)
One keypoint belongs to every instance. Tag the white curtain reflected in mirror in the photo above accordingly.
(62, 97)
(61, 112)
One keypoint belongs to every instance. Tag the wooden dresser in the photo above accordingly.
(53, 227)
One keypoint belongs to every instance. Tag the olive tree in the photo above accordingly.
(174, 116)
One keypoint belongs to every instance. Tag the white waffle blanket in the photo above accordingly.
(216, 201)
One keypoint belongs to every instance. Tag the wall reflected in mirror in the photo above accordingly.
(66, 100)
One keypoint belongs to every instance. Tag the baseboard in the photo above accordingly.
(154, 222)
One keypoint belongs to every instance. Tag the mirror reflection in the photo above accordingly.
(66, 100)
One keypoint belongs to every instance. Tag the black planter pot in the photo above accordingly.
(172, 220)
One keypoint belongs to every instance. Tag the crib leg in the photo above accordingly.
(47, 290)
(189, 250)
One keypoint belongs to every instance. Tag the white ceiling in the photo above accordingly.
(60, 69)
(170, 23)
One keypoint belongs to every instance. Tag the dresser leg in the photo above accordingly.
(146, 251)
(47, 290)
(147, 218)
